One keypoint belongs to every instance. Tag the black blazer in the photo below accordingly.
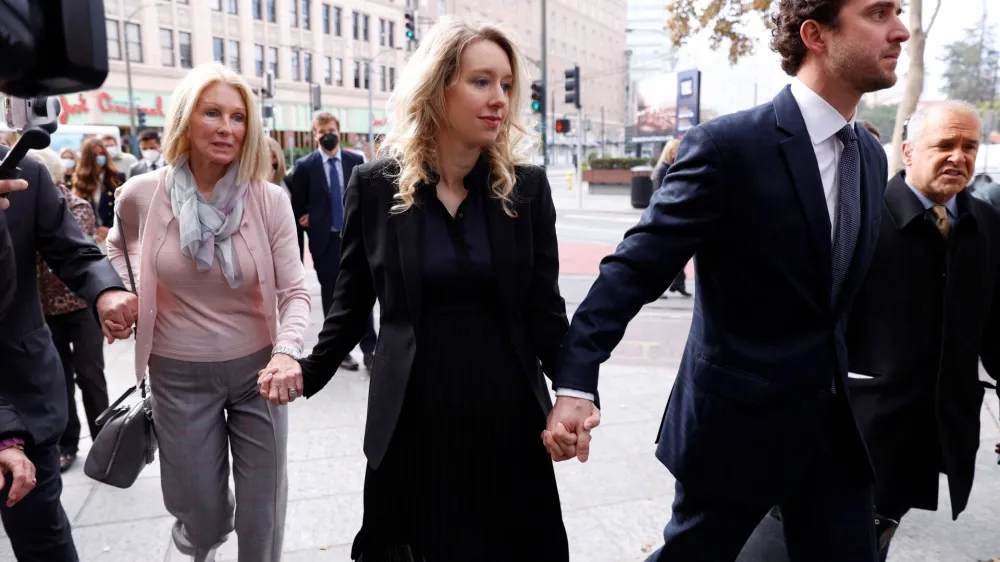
(745, 197)
(380, 258)
(311, 195)
(105, 206)
(39, 220)
(8, 268)
(923, 317)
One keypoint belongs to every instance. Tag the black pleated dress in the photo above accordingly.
(466, 477)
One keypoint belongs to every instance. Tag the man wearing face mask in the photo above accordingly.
(123, 161)
(149, 147)
(317, 188)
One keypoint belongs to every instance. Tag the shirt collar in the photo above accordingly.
(326, 157)
(951, 204)
(821, 119)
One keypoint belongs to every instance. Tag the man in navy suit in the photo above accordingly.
(781, 205)
(317, 188)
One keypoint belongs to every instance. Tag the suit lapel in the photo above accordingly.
(800, 160)
(319, 175)
(408, 239)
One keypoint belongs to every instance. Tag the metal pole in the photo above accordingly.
(134, 137)
(602, 132)
(579, 159)
(371, 109)
(545, 81)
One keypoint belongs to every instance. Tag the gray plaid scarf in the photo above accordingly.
(206, 226)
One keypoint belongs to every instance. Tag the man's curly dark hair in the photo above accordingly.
(788, 20)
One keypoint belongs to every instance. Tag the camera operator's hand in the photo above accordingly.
(7, 186)
(118, 311)
(14, 461)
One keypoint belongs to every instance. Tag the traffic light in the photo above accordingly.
(573, 86)
(411, 25)
(140, 115)
(538, 97)
(562, 125)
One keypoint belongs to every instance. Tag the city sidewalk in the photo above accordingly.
(614, 505)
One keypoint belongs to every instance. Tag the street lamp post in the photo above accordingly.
(128, 78)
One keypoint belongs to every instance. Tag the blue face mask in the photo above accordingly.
(101, 160)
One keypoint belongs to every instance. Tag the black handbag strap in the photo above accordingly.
(131, 280)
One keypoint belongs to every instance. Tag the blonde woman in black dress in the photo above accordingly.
(454, 234)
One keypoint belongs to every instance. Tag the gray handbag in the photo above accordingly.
(126, 442)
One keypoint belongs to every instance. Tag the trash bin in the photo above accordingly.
(642, 186)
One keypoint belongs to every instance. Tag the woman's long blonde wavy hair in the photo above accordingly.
(417, 112)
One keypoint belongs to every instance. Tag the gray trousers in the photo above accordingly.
(201, 411)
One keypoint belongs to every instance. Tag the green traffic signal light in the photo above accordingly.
(409, 34)
(536, 105)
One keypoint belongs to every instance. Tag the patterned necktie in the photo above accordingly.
(336, 199)
(942, 223)
(848, 210)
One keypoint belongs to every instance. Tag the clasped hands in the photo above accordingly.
(567, 431)
(118, 311)
(281, 381)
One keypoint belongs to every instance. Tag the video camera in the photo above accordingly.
(47, 48)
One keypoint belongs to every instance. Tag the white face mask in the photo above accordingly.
(112, 151)
(69, 163)
(151, 155)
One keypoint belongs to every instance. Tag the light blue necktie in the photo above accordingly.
(336, 199)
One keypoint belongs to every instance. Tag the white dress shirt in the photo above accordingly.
(822, 122)
(951, 205)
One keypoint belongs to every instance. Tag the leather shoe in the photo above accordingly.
(66, 461)
(369, 360)
(349, 364)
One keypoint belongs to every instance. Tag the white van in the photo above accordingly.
(72, 136)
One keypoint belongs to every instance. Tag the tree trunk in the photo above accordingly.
(914, 82)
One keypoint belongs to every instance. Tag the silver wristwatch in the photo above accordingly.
(287, 350)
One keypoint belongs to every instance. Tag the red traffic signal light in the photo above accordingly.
(562, 125)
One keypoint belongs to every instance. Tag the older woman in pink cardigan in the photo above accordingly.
(222, 295)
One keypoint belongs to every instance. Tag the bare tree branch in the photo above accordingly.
(933, 17)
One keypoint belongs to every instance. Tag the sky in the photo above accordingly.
(727, 88)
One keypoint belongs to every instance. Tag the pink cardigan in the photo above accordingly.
(268, 227)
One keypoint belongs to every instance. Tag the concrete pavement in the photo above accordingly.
(614, 506)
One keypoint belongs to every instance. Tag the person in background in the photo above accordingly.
(68, 157)
(278, 177)
(213, 247)
(667, 156)
(317, 197)
(76, 335)
(122, 160)
(6, 139)
(454, 233)
(871, 128)
(985, 189)
(95, 180)
(152, 159)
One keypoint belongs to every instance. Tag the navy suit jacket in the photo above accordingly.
(31, 378)
(8, 268)
(744, 197)
(311, 195)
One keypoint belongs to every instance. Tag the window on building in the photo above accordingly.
(392, 34)
(306, 5)
(368, 75)
(258, 60)
(364, 27)
(217, 5)
(258, 10)
(231, 6)
(114, 39)
(184, 44)
(384, 78)
(293, 13)
(218, 50)
(167, 47)
(392, 78)
(234, 55)
(327, 70)
(272, 12)
(133, 39)
(296, 72)
(357, 75)
(356, 27)
(338, 14)
(272, 61)
(307, 64)
(326, 19)
(338, 71)
(381, 32)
